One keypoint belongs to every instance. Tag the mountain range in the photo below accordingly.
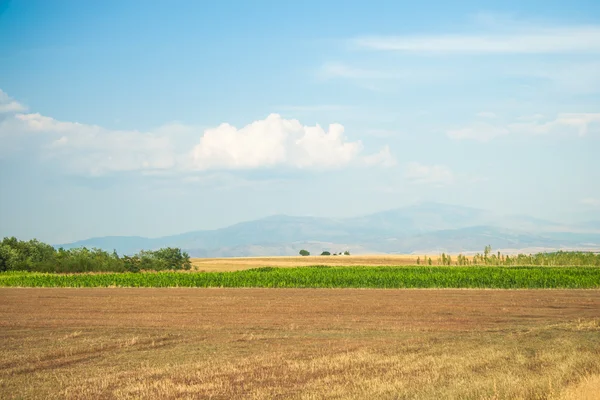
(424, 228)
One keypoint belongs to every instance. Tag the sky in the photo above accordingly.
(153, 118)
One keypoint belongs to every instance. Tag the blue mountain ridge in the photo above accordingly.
(420, 228)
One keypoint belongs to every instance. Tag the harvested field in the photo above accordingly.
(303, 344)
(241, 263)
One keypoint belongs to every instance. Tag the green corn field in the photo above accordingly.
(328, 277)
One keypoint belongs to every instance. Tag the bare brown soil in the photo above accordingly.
(240, 263)
(299, 343)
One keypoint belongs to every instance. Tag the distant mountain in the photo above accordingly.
(420, 228)
(123, 244)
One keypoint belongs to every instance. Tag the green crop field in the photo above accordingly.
(329, 277)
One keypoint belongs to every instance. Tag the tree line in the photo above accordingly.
(36, 256)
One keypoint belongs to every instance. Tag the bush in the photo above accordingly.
(304, 252)
(325, 253)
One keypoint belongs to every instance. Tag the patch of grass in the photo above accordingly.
(330, 277)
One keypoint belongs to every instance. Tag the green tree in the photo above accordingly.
(304, 252)
(172, 258)
(486, 252)
(325, 253)
(8, 258)
(132, 264)
(346, 253)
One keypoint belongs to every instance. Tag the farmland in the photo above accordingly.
(283, 327)
(240, 263)
(329, 277)
(299, 344)
(540, 259)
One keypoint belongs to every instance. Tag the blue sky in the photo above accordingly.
(152, 118)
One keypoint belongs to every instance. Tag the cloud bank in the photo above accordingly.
(268, 143)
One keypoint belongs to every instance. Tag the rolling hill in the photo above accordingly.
(420, 228)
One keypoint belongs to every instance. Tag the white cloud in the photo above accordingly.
(436, 175)
(8, 105)
(271, 142)
(565, 123)
(91, 149)
(383, 158)
(39, 123)
(86, 149)
(175, 147)
(522, 40)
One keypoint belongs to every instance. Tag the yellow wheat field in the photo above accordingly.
(241, 263)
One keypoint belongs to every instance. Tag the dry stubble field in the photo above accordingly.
(241, 263)
(299, 343)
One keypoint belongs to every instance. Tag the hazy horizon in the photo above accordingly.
(120, 118)
(345, 217)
